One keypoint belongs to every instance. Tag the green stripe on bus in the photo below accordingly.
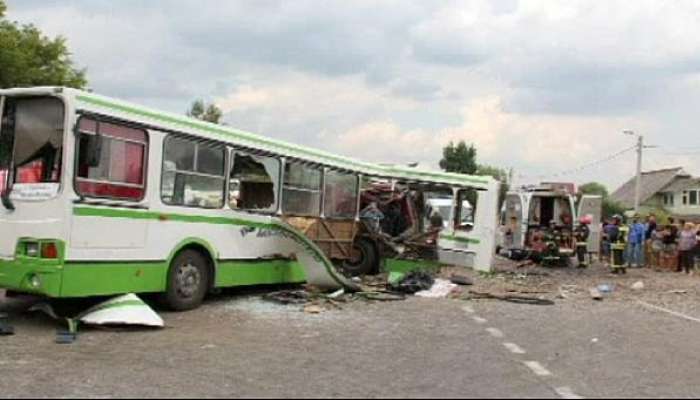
(149, 215)
(460, 239)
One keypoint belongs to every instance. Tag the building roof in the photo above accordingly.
(652, 183)
(681, 183)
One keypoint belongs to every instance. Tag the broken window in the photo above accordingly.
(466, 209)
(111, 160)
(302, 190)
(193, 173)
(253, 182)
(340, 195)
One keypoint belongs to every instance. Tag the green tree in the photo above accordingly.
(460, 159)
(210, 113)
(610, 206)
(29, 58)
(593, 188)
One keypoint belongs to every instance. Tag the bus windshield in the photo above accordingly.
(31, 141)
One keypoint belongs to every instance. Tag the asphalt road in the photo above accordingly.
(240, 346)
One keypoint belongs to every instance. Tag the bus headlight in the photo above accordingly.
(35, 281)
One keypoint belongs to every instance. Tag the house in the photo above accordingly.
(670, 189)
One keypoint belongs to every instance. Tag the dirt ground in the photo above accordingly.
(662, 288)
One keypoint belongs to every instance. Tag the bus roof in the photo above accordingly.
(170, 121)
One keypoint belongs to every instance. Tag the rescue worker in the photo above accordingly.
(581, 235)
(551, 255)
(618, 247)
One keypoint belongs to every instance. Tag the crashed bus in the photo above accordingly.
(102, 197)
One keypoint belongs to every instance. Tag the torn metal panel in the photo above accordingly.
(320, 271)
(123, 310)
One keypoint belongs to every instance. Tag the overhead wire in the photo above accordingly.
(580, 168)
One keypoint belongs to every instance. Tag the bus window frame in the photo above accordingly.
(321, 198)
(196, 140)
(358, 194)
(65, 154)
(76, 161)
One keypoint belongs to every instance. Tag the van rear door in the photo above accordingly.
(592, 206)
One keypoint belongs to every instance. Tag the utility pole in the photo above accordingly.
(638, 186)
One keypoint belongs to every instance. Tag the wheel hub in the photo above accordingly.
(188, 279)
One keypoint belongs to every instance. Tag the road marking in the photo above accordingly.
(468, 310)
(566, 393)
(537, 368)
(514, 348)
(677, 314)
(479, 320)
(497, 333)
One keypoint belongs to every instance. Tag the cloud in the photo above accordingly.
(538, 147)
(538, 85)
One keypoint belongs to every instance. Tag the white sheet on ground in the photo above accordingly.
(440, 289)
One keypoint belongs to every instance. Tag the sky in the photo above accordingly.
(544, 87)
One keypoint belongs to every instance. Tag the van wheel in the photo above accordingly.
(188, 279)
(364, 259)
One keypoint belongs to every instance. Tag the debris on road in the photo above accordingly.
(605, 288)
(5, 328)
(638, 285)
(289, 297)
(461, 280)
(440, 289)
(313, 309)
(123, 310)
(511, 298)
(595, 294)
(414, 282)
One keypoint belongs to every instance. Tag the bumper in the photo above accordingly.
(32, 276)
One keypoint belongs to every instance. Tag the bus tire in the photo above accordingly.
(365, 261)
(188, 281)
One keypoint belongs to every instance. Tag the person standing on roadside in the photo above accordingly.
(636, 243)
(650, 231)
(671, 245)
(686, 246)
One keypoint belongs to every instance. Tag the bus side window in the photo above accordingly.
(118, 169)
(340, 195)
(253, 182)
(302, 190)
(193, 173)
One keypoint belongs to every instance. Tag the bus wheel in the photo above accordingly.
(364, 259)
(188, 279)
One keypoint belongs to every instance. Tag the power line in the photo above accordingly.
(580, 167)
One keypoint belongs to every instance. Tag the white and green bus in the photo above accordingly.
(102, 197)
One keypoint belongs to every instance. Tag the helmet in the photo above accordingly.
(586, 220)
